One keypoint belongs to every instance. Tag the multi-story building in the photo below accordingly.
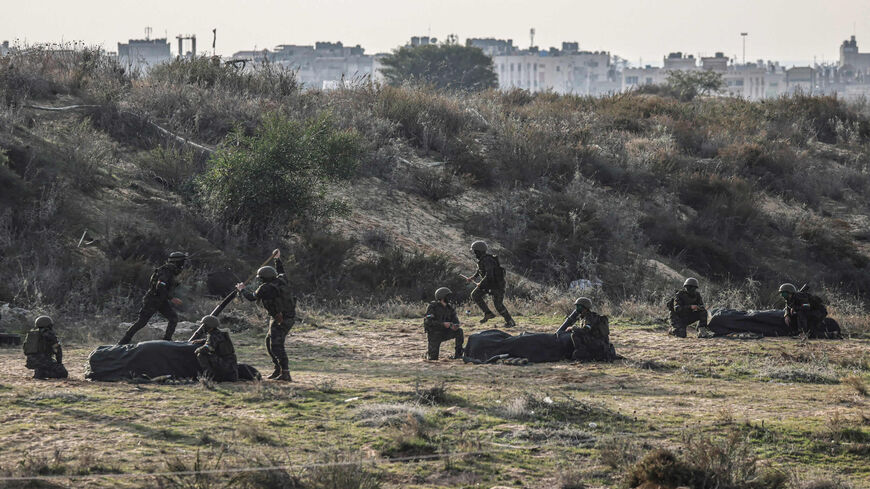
(854, 65)
(142, 54)
(564, 71)
(4, 48)
(322, 66)
(492, 47)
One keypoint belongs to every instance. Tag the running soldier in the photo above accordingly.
(160, 298)
(492, 282)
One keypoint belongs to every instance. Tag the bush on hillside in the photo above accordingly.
(279, 174)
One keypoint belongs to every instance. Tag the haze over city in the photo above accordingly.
(793, 32)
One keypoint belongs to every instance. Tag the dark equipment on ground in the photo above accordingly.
(729, 322)
(10, 339)
(150, 359)
(492, 345)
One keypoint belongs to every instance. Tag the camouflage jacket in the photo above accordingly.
(807, 303)
(218, 343)
(683, 301)
(488, 270)
(163, 282)
(593, 325)
(437, 314)
(43, 342)
(274, 295)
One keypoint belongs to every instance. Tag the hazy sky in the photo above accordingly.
(786, 30)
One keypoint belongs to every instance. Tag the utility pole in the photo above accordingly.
(743, 35)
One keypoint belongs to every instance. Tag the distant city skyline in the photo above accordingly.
(792, 32)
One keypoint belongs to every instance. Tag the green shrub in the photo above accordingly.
(279, 174)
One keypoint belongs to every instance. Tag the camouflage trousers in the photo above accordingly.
(149, 308)
(275, 341)
(217, 368)
(436, 336)
(478, 295)
(681, 320)
(45, 367)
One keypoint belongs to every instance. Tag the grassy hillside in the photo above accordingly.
(633, 190)
(374, 194)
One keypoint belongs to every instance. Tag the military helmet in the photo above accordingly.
(585, 302)
(210, 322)
(791, 289)
(267, 273)
(442, 293)
(43, 322)
(177, 256)
(479, 246)
(690, 282)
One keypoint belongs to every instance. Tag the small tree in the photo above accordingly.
(445, 66)
(686, 85)
(279, 174)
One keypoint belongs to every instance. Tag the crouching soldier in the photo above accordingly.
(687, 307)
(40, 345)
(804, 312)
(591, 338)
(492, 282)
(442, 324)
(160, 298)
(275, 295)
(216, 356)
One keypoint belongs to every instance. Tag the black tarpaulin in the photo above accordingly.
(149, 359)
(724, 322)
(536, 347)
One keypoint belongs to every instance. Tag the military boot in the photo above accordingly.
(285, 376)
(275, 373)
(678, 332)
(509, 321)
(457, 355)
(487, 316)
(704, 332)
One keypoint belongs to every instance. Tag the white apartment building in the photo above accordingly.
(142, 54)
(558, 71)
(325, 65)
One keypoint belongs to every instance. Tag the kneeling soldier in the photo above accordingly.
(804, 312)
(592, 338)
(686, 307)
(442, 324)
(40, 346)
(216, 356)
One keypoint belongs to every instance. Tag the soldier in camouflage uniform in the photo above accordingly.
(442, 324)
(804, 312)
(159, 298)
(686, 307)
(275, 295)
(216, 356)
(40, 345)
(492, 282)
(592, 338)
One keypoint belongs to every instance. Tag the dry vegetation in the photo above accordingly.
(634, 190)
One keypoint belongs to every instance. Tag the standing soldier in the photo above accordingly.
(442, 324)
(492, 281)
(40, 345)
(275, 295)
(216, 356)
(686, 307)
(592, 338)
(804, 312)
(159, 297)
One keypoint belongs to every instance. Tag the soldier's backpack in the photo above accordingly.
(498, 278)
(225, 348)
(285, 302)
(33, 343)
